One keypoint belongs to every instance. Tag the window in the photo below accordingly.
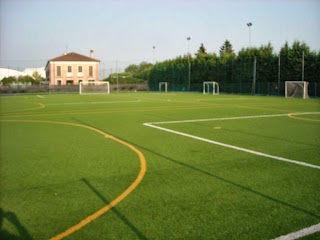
(69, 71)
(80, 69)
(79, 81)
(59, 82)
(58, 71)
(69, 82)
(90, 71)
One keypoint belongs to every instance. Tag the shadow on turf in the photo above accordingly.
(13, 220)
(119, 215)
(227, 181)
(206, 173)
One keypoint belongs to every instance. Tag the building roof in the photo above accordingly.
(73, 57)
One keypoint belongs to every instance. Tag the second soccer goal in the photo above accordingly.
(296, 89)
(210, 87)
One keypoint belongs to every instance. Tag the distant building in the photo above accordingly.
(31, 71)
(72, 68)
(7, 72)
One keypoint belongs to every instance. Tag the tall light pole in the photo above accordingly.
(249, 25)
(117, 76)
(154, 49)
(302, 72)
(189, 65)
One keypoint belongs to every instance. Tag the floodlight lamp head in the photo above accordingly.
(188, 38)
(249, 24)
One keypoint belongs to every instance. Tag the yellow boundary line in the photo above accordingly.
(123, 195)
(292, 115)
(41, 105)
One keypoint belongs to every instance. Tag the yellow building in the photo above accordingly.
(72, 68)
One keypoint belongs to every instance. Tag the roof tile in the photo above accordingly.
(74, 57)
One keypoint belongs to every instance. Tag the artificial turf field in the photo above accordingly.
(129, 166)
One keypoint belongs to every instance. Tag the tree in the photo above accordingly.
(234, 72)
(226, 48)
(202, 51)
(291, 60)
(8, 81)
(37, 77)
(26, 80)
(132, 68)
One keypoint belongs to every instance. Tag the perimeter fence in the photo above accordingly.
(258, 76)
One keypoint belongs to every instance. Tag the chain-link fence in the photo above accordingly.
(254, 75)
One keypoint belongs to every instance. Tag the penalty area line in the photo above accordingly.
(236, 118)
(301, 233)
(233, 147)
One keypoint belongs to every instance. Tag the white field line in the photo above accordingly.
(301, 233)
(39, 96)
(152, 125)
(233, 118)
(79, 103)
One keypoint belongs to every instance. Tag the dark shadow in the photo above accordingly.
(12, 219)
(119, 214)
(228, 181)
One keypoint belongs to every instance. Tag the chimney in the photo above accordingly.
(91, 53)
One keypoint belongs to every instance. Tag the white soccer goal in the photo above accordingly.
(296, 89)
(210, 87)
(163, 84)
(101, 87)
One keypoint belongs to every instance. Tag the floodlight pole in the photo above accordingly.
(189, 65)
(117, 76)
(279, 73)
(249, 25)
(302, 72)
(154, 49)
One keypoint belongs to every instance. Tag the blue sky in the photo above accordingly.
(33, 31)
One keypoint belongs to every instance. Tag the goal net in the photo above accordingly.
(210, 87)
(163, 86)
(296, 89)
(100, 87)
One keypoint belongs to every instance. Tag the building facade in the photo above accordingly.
(72, 68)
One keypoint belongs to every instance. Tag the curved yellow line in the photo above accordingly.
(41, 105)
(87, 220)
(292, 115)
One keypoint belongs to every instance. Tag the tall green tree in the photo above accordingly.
(291, 60)
(226, 48)
(37, 77)
(202, 51)
(7, 81)
(132, 68)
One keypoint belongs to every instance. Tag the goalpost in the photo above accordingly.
(165, 84)
(296, 89)
(101, 87)
(210, 86)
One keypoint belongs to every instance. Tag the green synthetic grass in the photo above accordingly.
(54, 175)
